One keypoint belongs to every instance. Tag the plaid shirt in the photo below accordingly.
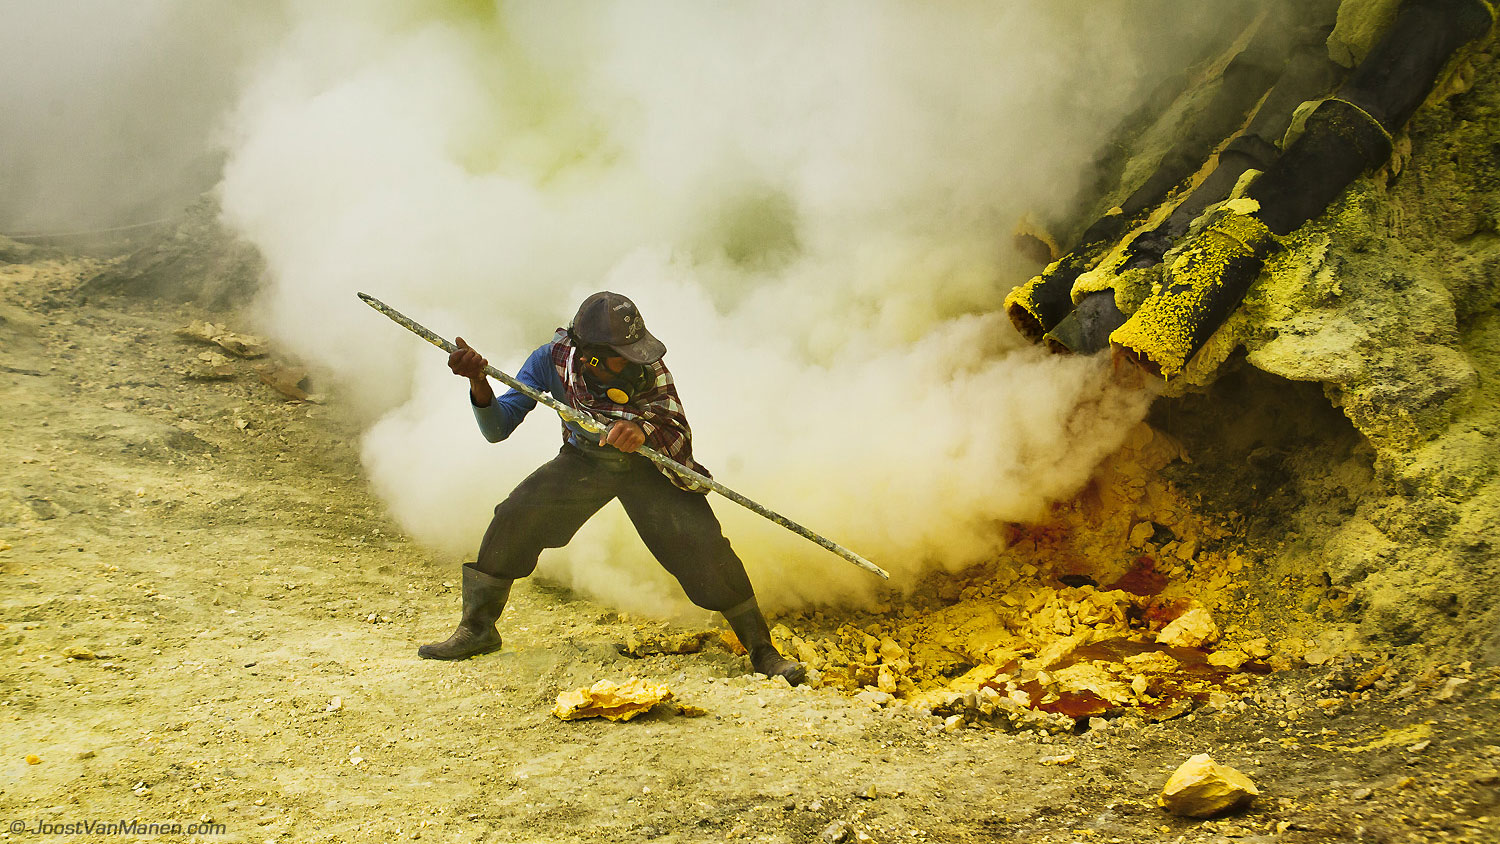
(657, 409)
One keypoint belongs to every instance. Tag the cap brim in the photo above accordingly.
(648, 349)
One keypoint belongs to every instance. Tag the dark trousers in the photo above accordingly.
(678, 527)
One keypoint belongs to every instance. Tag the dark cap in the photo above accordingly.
(609, 319)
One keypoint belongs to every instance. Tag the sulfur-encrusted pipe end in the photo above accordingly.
(1203, 284)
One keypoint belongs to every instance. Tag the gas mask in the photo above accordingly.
(628, 383)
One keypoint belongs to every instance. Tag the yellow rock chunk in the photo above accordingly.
(640, 643)
(1091, 677)
(1154, 662)
(1057, 651)
(1230, 658)
(809, 654)
(1140, 685)
(890, 651)
(243, 345)
(1141, 534)
(1193, 629)
(607, 699)
(1201, 788)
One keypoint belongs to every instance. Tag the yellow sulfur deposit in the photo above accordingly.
(1103, 276)
(1162, 332)
(1017, 647)
(1201, 788)
(1023, 307)
(1192, 629)
(607, 699)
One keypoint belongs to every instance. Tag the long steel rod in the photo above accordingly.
(594, 426)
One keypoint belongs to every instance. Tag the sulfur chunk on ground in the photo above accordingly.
(644, 643)
(607, 699)
(1201, 788)
(1230, 658)
(1154, 662)
(1092, 677)
(1193, 629)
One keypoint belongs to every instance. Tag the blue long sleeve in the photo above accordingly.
(500, 417)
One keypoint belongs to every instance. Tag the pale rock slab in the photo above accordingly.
(1193, 629)
(1202, 788)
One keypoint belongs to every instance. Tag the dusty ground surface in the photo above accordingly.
(207, 618)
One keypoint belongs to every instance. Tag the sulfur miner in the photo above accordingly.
(607, 364)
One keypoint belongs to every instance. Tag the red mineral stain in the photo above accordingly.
(1161, 613)
(1077, 705)
(1193, 679)
(1142, 579)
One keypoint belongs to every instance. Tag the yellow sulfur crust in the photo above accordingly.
(1162, 331)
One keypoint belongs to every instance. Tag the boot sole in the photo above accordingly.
(794, 676)
(425, 653)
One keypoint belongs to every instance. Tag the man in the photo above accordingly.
(607, 364)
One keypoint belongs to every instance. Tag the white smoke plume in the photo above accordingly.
(109, 108)
(810, 202)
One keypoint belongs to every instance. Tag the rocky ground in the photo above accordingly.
(208, 618)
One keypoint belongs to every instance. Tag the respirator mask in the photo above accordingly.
(628, 383)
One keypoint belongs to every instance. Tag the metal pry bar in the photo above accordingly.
(594, 426)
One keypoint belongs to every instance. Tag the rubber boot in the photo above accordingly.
(484, 600)
(750, 626)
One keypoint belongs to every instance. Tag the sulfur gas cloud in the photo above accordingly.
(810, 202)
(110, 110)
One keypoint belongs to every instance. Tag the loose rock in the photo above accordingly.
(1193, 629)
(835, 833)
(607, 699)
(1201, 788)
(1450, 689)
(242, 345)
(638, 644)
(290, 381)
(1228, 658)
